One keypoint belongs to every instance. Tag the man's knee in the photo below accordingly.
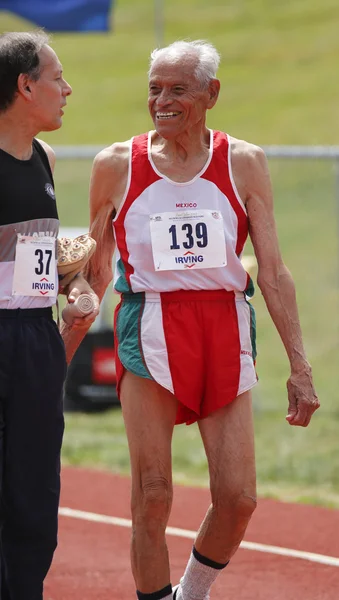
(246, 505)
(237, 506)
(151, 503)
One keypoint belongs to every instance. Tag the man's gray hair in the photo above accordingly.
(19, 53)
(208, 58)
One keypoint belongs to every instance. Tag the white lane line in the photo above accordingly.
(186, 533)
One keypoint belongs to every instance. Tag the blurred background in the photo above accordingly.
(279, 89)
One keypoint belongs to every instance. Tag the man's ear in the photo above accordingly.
(24, 85)
(213, 89)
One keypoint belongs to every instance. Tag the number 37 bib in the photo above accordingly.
(188, 240)
(35, 266)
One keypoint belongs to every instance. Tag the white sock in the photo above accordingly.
(198, 578)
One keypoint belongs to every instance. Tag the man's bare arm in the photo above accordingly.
(277, 286)
(108, 172)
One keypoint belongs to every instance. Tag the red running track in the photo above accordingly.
(92, 560)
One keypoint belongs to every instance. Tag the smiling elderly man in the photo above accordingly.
(182, 199)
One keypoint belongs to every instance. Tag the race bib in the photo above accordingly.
(188, 240)
(35, 267)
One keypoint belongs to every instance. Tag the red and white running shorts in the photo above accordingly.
(200, 345)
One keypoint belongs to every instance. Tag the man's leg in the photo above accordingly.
(149, 413)
(4, 593)
(6, 360)
(228, 439)
(33, 418)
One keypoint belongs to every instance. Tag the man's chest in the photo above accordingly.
(179, 171)
(24, 197)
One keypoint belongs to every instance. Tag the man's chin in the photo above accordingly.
(166, 131)
(52, 126)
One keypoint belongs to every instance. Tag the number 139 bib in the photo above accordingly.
(35, 268)
(188, 240)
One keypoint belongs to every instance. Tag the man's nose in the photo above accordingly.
(67, 89)
(164, 98)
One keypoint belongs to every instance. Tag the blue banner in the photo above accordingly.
(63, 15)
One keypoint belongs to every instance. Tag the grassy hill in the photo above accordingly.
(279, 86)
(278, 71)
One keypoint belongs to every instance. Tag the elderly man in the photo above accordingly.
(182, 199)
(33, 95)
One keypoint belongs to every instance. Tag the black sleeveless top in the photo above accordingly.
(26, 187)
(27, 207)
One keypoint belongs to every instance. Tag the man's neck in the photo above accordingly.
(15, 137)
(185, 147)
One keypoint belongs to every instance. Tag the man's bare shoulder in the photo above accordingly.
(113, 158)
(246, 151)
(249, 166)
(109, 176)
(49, 151)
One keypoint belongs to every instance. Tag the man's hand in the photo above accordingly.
(302, 399)
(79, 286)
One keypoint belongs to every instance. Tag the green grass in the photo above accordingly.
(278, 69)
(293, 464)
(279, 62)
(306, 218)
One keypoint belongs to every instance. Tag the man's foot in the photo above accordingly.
(175, 589)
